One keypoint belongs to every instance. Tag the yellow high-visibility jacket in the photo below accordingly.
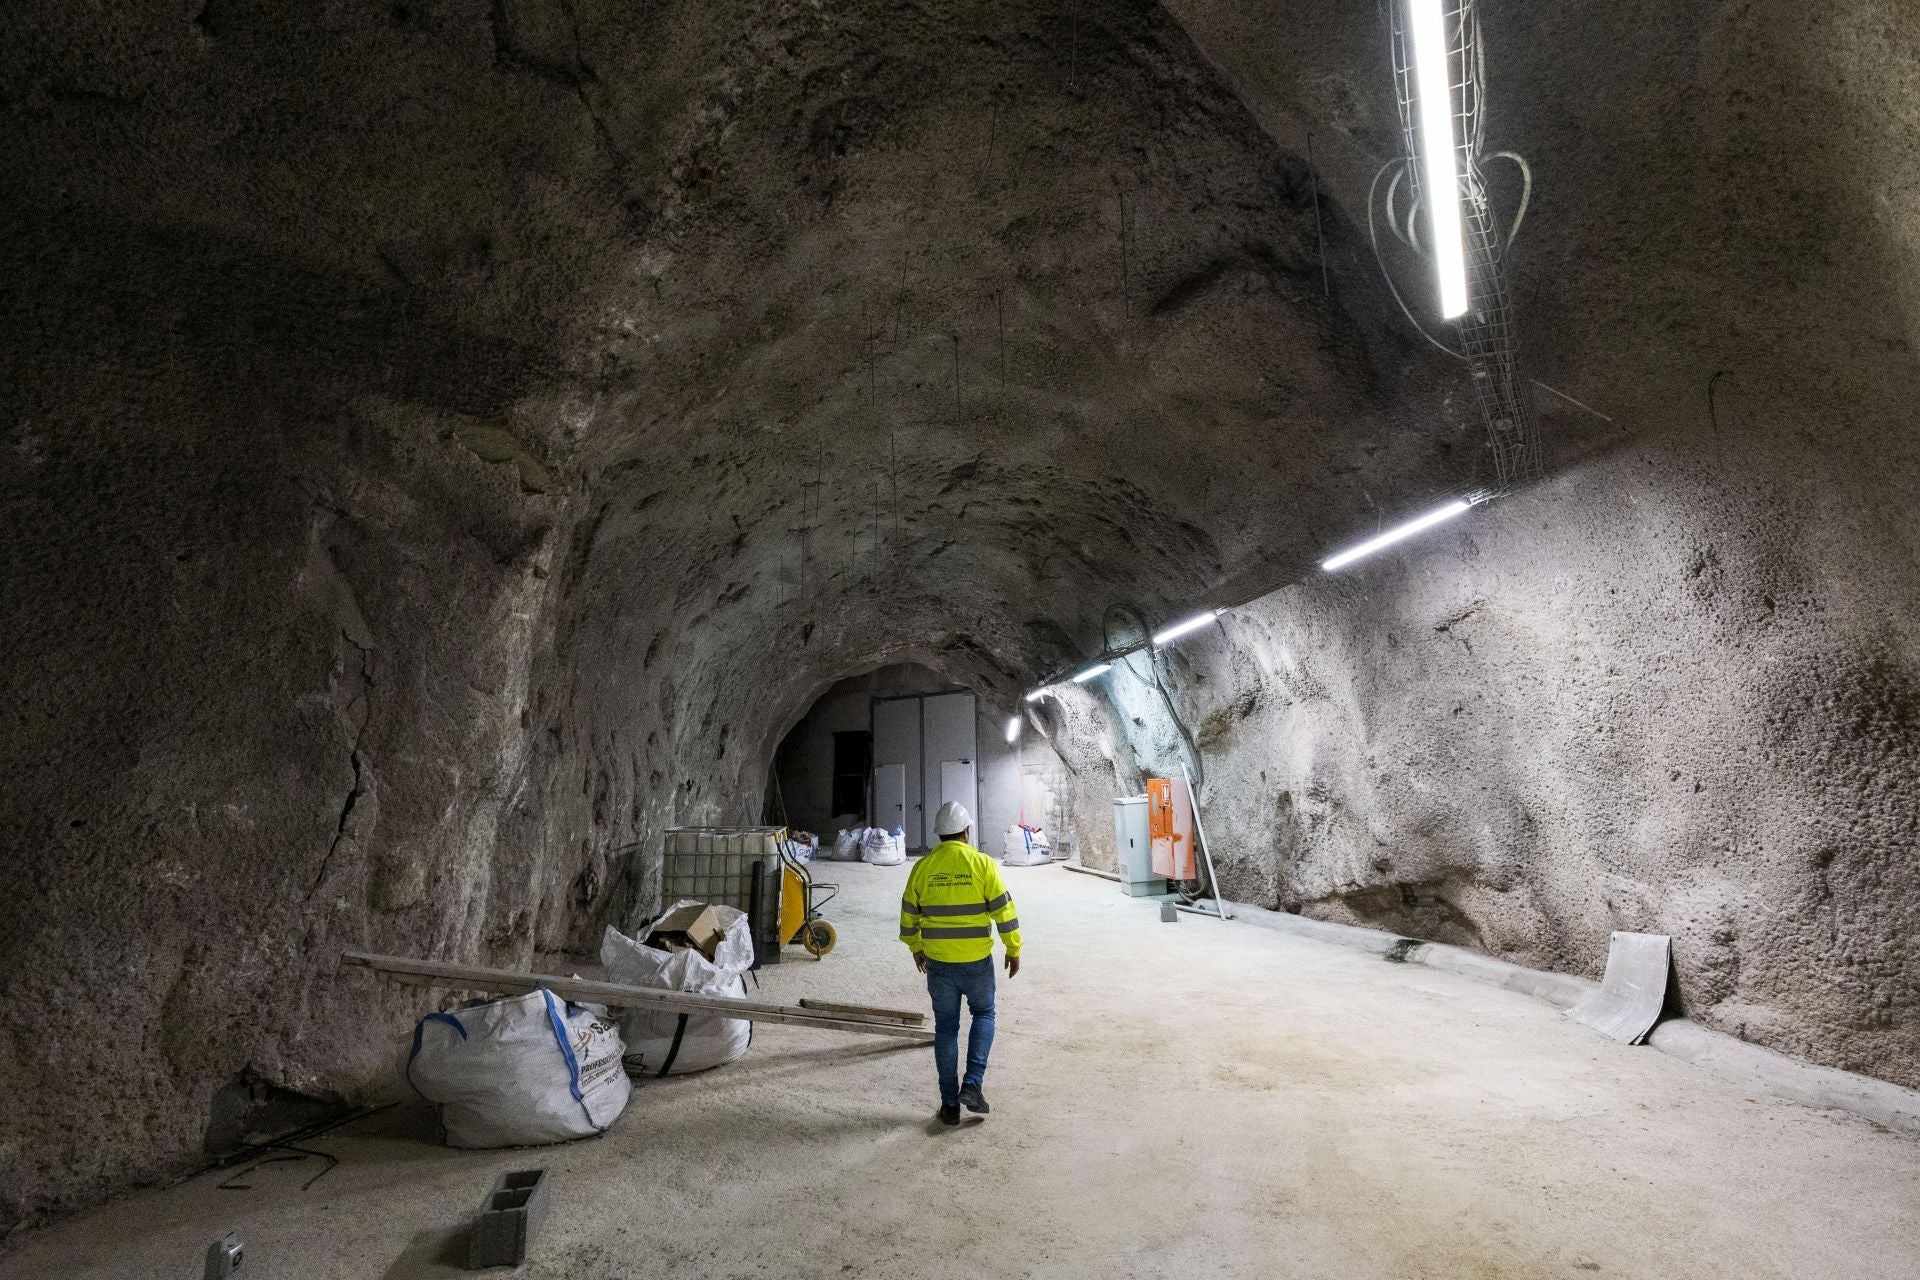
(952, 894)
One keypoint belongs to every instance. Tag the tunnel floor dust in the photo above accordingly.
(1194, 1099)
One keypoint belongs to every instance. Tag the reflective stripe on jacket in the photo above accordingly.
(955, 897)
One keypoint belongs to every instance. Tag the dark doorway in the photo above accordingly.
(852, 761)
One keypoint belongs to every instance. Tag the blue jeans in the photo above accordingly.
(946, 983)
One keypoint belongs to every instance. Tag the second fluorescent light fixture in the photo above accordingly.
(1192, 624)
(1097, 669)
(1433, 87)
(1391, 536)
(1013, 729)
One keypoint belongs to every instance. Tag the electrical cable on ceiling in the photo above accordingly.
(1189, 890)
(1396, 167)
(1409, 236)
(1488, 341)
(1153, 678)
(1487, 333)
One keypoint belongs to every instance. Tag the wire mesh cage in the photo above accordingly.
(1488, 338)
(728, 866)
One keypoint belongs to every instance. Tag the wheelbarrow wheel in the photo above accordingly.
(818, 938)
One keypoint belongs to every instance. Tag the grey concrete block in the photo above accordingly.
(224, 1256)
(508, 1219)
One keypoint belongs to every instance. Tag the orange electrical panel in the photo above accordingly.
(1170, 828)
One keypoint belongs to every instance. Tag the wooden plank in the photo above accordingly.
(1090, 871)
(616, 995)
(828, 1006)
(514, 983)
(501, 981)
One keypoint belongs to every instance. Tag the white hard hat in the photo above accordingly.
(952, 819)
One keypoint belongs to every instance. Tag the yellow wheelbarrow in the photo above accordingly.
(801, 898)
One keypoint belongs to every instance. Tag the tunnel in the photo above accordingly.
(450, 445)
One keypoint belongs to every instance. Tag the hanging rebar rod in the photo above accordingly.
(1000, 315)
(1319, 236)
(1073, 50)
(900, 298)
(993, 125)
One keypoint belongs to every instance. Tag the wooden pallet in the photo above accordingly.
(433, 973)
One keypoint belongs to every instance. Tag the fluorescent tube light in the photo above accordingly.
(1036, 695)
(1394, 535)
(1192, 624)
(1013, 729)
(1098, 669)
(1434, 88)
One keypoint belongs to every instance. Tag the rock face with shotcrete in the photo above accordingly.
(449, 443)
(1675, 686)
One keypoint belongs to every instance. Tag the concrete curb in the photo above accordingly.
(1562, 989)
(1749, 1065)
(1887, 1105)
(1340, 935)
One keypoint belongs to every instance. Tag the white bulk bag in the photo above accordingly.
(660, 1043)
(881, 849)
(516, 1072)
(1025, 847)
(846, 845)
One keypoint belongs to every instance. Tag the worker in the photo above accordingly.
(952, 895)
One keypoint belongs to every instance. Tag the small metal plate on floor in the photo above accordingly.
(1631, 996)
(1169, 912)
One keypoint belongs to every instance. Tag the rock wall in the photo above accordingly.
(281, 550)
(272, 637)
(1570, 715)
(1674, 687)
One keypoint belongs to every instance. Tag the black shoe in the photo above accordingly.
(949, 1115)
(973, 1099)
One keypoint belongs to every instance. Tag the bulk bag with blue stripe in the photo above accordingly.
(521, 1071)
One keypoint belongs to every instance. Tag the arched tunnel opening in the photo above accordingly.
(885, 749)
(1387, 528)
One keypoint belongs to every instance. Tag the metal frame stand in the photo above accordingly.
(1219, 911)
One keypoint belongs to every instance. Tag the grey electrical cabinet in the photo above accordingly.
(1135, 848)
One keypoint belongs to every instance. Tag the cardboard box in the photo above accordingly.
(695, 926)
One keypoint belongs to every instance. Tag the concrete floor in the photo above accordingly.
(1191, 1099)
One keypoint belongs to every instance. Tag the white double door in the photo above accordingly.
(923, 756)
